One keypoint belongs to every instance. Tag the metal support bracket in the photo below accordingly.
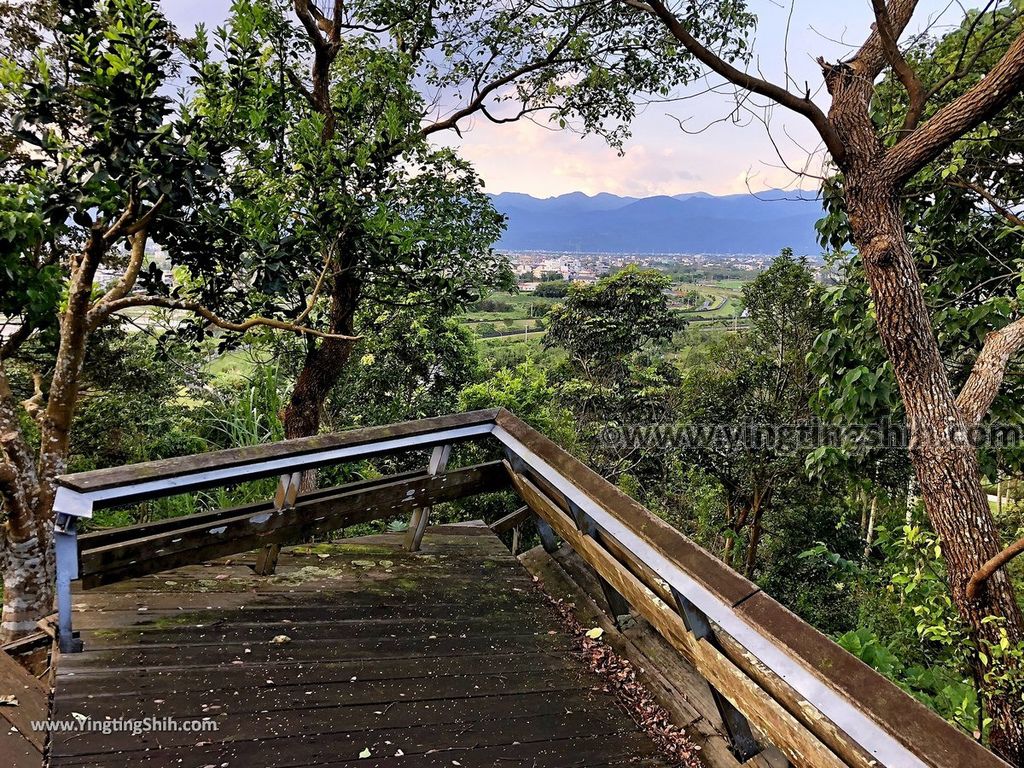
(741, 741)
(421, 515)
(65, 530)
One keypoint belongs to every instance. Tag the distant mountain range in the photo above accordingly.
(695, 222)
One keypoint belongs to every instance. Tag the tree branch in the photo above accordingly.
(802, 105)
(985, 99)
(963, 65)
(15, 340)
(143, 223)
(872, 57)
(992, 565)
(997, 205)
(117, 228)
(228, 325)
(123, 287)
(982, 386)
(916, 94)
(301, 88)
(303, 9)
(477, 102)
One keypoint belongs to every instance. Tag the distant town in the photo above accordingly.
(532, 267)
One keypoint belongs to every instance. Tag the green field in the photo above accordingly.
(518, 326)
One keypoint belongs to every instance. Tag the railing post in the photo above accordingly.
(741, 741)
(421, 515)
(544, 529)
(284, 498)
(65, 545)
(618, 606)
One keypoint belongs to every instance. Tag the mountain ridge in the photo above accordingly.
(687, 223)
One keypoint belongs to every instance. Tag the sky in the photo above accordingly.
(727, 156)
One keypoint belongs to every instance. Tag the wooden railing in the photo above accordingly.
(817, 704)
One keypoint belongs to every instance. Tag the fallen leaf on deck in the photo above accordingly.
(364, 753)
(595, 633)
(281, 639)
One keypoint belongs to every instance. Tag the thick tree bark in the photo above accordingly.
(27, 556)
(944, 458)
(28, 577)
(324, 363)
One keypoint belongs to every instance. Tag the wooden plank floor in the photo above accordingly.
(448, 657)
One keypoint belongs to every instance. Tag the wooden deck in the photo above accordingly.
(446, 657)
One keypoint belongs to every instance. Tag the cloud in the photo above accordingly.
(658, 160)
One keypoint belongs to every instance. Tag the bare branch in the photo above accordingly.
(982, 386)
(480, 97)
(208, 315)
(985, 99)
(992, 565)
(965, 66)
(799, 104)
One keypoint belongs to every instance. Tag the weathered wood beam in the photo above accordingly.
(742, 742)
(511, 520)
(108, 536)
(842, 695)
(32, 701)
(421, 515)
(284, 498)
(242, 533)
(81, 493)
(832, 735)
(787, 734)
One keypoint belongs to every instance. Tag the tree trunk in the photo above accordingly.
(29, 567)
(727, 544)
(324, 363)
(28, 584)
(945, 461)
(869, 534)
(754, 542)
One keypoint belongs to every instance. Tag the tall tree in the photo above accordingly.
(741, 390)
(576, 62)
(333, 200)
(876, 166)
(100, 169)
(617, 376)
